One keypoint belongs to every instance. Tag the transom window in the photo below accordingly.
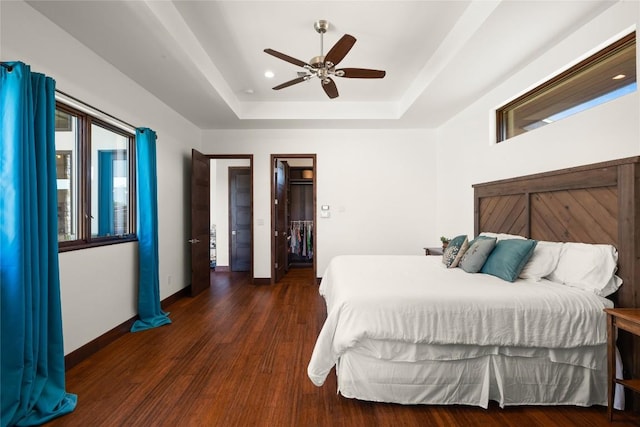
(95, 177)
(606, 75)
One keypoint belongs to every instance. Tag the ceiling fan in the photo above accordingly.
(324, 66)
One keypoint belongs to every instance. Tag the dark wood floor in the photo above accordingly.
(237, 355)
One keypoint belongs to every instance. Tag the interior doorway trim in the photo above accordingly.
(250, 158)
(314, 168)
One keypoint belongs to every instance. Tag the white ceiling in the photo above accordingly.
(202, 58)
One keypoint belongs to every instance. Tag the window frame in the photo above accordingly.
(501, 113)
(83, 205)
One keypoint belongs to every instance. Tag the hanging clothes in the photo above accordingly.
(301, 242)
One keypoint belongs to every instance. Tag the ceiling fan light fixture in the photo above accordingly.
(323, 66)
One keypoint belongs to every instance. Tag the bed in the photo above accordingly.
(406, 329)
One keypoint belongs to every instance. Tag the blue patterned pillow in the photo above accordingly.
(455, 250)
(509, 258)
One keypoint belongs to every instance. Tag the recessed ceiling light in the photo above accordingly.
(619, 77)
(269, 74)
(248, 91)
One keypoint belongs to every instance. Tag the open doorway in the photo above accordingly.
(231, 213)
(293, 213)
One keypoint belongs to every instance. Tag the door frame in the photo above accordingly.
(314, 168)
(250, 158)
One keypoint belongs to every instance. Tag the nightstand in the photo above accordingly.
(432, 251)
(627, 319)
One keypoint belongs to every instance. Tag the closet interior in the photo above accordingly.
(300, 207)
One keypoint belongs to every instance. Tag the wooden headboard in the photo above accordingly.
(598, 203)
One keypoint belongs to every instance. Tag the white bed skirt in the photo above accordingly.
(508, 380)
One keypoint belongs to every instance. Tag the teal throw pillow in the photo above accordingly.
(508, 258)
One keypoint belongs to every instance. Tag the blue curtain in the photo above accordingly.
(31, 347)
(105, 193)
(149, 311)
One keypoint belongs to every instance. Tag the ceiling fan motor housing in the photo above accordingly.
(317, 61)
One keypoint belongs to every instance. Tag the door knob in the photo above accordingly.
(192, 241)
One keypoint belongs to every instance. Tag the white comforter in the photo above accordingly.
(415, 299)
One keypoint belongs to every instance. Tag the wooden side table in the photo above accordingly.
(433, 251)
(627, 319)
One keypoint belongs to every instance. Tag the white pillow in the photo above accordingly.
(501, 236)
(543, 261)
(589, 267)
(611, 287)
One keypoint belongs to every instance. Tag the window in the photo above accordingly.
(606, 75)
(95, 179)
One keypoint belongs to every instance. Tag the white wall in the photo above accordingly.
(98, 286)
(467, 153)
(380, 185)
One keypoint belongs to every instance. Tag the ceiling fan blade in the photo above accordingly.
(291, 82)
(330, 87)
(340, 49)
(287, 58)
(360, 73)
